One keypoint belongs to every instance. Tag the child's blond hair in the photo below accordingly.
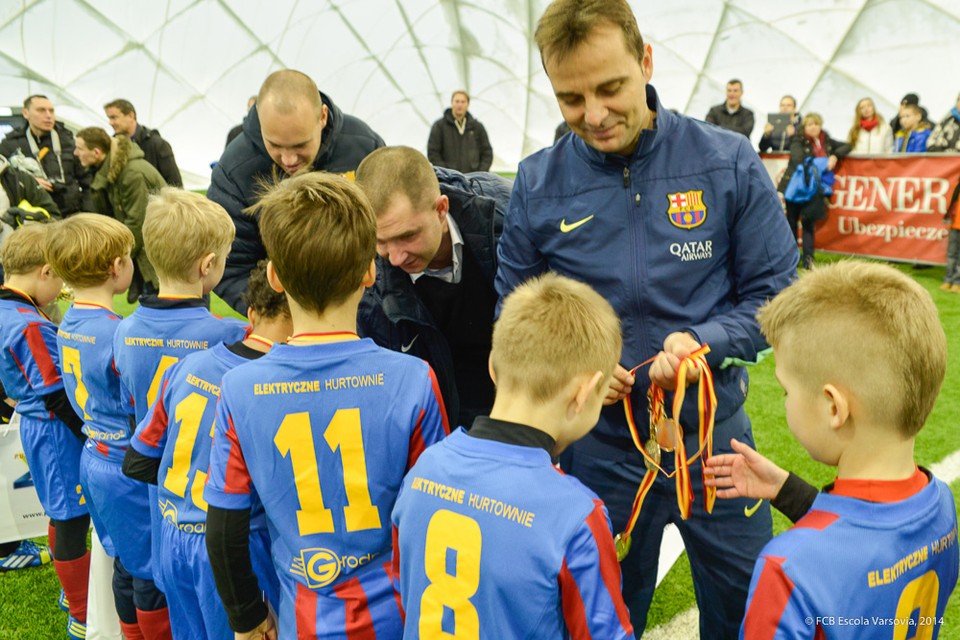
(550, 330)
(179, 228)
(22, 251)
(83, 247)
(866, 328)
(321, 236)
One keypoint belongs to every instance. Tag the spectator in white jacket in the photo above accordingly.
(869, 134)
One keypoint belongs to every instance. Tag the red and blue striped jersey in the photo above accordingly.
(492, 541)
(851, 568)
(159, 333)
(178, 429)
(29, 363)
(323, 435)
(85, 345)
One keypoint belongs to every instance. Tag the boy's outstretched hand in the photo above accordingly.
(744, 474)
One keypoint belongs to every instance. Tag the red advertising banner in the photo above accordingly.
(888, 207)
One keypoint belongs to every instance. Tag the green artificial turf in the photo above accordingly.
(28, 609)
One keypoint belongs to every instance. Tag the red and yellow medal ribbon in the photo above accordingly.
(301, 339)
(86, 304)
(258, 338)
(670, 431)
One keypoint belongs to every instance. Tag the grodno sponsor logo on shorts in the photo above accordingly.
(321, 566)
(170, 513)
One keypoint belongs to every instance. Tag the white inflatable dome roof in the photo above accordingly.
(189, 65)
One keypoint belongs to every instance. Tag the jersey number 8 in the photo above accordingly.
(449, 531)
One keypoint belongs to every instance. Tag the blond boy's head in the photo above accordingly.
(22, 251)
(321, 236)
(83, 248)
(181, 228)
(552, 329)
(867, 329)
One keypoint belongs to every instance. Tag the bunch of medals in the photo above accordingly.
(666, 435)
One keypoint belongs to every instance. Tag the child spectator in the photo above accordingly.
(321, 430)
(91, 252)
(913, 133)
(861, 356)
(534, 555)
(186, 238)
(49, 428)
(173, 441)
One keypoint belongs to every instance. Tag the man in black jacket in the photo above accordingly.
(731, 114)
(292, 126)
(458, 141)
(52, 145)
(437, 233)
(156, 150)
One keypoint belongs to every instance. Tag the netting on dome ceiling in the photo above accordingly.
(189, 65)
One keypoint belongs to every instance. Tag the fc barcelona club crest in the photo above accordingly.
(686, 209)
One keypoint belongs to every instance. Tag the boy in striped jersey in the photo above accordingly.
(321, 430)
(49, 427)
(173, 441)
(484, 516)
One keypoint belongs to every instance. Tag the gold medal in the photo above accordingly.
(622, 544)
(667, 434)
(653, 454)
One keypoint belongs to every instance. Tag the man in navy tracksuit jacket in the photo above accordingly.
(677, 224)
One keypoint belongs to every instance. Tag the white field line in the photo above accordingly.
(947, 469)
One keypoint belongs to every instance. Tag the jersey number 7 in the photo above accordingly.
(71, 365)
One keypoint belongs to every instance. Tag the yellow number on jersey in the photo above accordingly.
(344, 433)
(295, 437)
(189, 413)
(451, 531)
(165, 363)
(919, 595)
(71, 365)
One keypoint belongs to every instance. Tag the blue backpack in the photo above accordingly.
(810, 179)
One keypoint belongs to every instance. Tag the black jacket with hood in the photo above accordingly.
(236, 184)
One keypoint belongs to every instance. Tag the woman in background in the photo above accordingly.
(814, 142)
(870, 133)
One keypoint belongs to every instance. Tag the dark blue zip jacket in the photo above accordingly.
(686, 234)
